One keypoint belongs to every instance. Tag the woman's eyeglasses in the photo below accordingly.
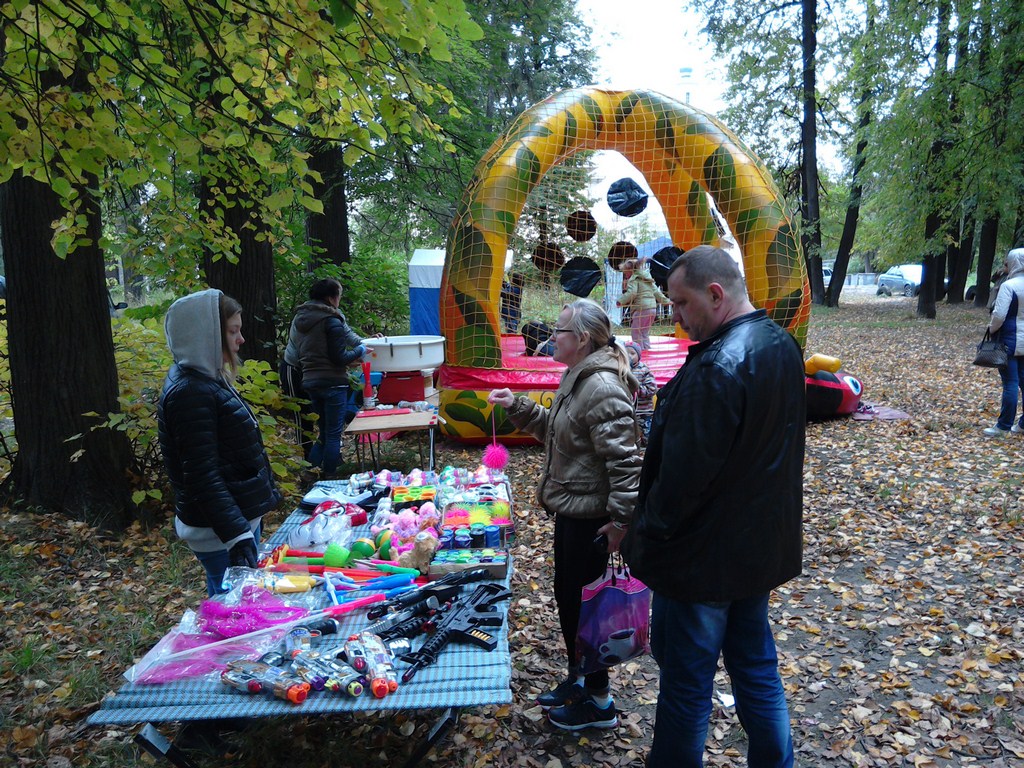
(562, 330)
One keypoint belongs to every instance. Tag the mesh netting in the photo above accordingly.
(528, 198)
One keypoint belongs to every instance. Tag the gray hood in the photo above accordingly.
(1015, 262)
(192, 327)
(311, 313)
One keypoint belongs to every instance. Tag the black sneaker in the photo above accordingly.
(565, 692)
(583, 714)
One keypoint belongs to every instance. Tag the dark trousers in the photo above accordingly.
(577, 563)
(291, 385)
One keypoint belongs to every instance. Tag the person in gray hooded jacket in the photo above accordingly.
(210, 439)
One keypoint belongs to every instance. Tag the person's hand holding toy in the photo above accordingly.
(502, 397)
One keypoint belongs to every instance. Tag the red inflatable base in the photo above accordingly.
(519, 372)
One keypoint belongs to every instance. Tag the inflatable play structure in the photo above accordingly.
(695, 167)
(831, 391)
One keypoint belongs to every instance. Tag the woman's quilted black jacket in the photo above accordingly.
(214, 454)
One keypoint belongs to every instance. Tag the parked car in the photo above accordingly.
(903, 279)
(826, 276)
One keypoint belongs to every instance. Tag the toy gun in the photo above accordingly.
(433, 589)
(463, 622)
(369, 656)
(338, 676)
(272, 679)
(408, 623)
(431, 604)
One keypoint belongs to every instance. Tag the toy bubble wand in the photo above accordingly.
(495, 455)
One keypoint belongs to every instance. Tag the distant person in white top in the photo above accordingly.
(1008, 322)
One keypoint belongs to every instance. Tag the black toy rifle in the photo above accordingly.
(408, 621)
(463, 622)
(441, 588)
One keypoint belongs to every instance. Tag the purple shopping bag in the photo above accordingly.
(615, 621)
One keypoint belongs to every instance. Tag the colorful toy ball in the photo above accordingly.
(383, 542)
(363, 548)
(495, 456)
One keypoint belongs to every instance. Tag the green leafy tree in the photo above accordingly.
(188, 102)
(408, 191)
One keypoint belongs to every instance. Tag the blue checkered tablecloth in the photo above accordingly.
(463, 676)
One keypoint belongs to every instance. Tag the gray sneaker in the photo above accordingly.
(1016, 429)
(995, 432)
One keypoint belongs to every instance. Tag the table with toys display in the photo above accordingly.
(384, 592)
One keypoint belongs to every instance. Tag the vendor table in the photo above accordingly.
(463, 676)
(375, 426)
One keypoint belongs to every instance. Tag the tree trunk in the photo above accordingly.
(937, 219)
(1018, 228)
(328, 233)
(964, 260)
(809, 145)
(250, 280)
(846, 240)
(986, 257)
(62, 366)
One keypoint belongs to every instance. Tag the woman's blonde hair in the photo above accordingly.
(228, 309)
(588, 317)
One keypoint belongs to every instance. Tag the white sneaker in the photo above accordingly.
(1016, 429)
(995, 432)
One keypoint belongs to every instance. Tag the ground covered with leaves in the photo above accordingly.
(901, 643)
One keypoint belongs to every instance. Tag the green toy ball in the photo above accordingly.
(383, 542)
(362, 548)
(336, 556)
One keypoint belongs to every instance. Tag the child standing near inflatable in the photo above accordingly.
(642, 297)
(644, 395)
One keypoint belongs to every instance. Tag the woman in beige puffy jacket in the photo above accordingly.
(589, 483)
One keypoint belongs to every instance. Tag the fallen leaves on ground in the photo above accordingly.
(900, 645)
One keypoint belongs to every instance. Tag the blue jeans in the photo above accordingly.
(1012, 375)
(332, 405)
(686, 639)
(215, 563)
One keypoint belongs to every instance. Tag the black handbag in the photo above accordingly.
(991, 352)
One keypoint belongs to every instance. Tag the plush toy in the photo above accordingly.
(404, 526)
(429, 517)
(422, 552)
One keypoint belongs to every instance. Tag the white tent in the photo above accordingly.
(425, 269)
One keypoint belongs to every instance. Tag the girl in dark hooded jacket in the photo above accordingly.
(210, 439)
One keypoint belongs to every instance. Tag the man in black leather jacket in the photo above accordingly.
(718, 522)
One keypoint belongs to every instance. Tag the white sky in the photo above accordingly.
(652, 45)
(645, 44)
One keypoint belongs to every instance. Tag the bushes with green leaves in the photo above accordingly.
(142, 362)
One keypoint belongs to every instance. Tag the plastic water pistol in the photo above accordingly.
(339, 676)
(272, 679)
(368, 655)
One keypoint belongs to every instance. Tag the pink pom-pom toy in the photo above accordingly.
(495, 456)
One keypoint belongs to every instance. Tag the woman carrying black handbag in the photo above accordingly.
(1007, 324)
